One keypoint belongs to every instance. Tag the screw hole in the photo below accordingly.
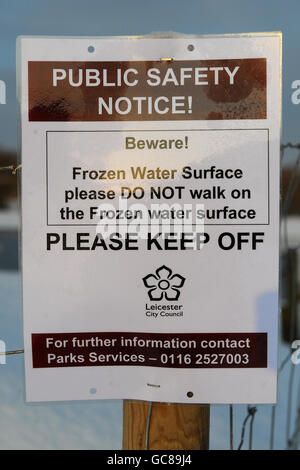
(91, 49)
(191, 47)
(189, 394)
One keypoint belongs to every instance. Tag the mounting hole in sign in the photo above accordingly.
(91, 49)
(93, 391)
(190, 394)
(191, 47)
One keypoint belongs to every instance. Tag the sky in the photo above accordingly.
(137, 17)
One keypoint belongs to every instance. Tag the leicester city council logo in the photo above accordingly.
(163, 285)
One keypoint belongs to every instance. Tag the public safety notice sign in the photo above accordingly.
(150, 217)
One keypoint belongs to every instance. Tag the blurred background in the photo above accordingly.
(98, 424)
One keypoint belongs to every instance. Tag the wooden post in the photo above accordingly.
(172, 426)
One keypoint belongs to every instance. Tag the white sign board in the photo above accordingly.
(150, 217)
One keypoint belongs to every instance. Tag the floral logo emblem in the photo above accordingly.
(163, 284)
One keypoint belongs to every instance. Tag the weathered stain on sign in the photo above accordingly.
(148, 90)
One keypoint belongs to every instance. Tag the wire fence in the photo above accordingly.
(292, 437)
(12, 168)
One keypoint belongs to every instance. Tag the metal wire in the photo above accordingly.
(272, 432)
(251, 412)
(294, 441)
(148, 426)
(231, 426)
(243, 431)
(12, 168)
(251, 427)
(284, 363)
(274, 407)
(295, 438)
(290, 145)
(289, 406)
(9, 353)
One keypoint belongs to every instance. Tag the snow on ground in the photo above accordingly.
(98, 424)
(80, 425)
